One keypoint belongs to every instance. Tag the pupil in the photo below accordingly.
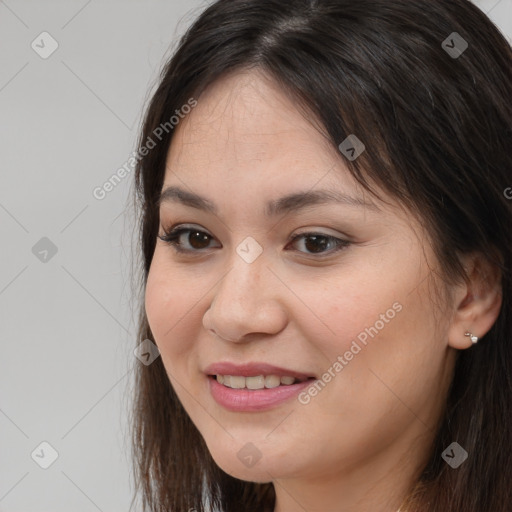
(197, 236)
(321, 245)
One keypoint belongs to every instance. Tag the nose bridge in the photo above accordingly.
(245, 300)
(242, 288)
(248, 271)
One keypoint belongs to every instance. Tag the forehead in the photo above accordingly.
(245, 127)
(247, 99)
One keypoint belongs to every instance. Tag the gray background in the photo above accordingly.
(67, 327)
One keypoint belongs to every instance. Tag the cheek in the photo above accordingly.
(384, 331)
(158, 301)
(346, 311)
(169, 307)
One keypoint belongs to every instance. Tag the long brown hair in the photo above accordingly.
(438, 133)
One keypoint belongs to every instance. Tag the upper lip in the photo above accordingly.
(253, 370)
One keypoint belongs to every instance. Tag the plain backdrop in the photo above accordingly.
(68, 120)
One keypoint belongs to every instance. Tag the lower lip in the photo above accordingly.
(246, 400)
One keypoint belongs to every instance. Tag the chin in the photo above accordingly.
(245, 462)
(259, 474)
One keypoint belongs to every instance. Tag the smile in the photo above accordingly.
(257, 382)
(257, 398)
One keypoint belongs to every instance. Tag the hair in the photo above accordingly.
(438, 134)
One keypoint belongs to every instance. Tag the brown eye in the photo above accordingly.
(193, 240)
(187, 239)
(197, 239)
(316, 243)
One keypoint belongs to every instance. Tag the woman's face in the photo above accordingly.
(351, 305)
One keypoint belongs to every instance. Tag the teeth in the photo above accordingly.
(255, 382)
(272, 381)
(258, 382)
(234, 382)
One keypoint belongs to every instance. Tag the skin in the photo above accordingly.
(358, 444)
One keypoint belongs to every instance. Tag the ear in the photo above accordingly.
(477, 303)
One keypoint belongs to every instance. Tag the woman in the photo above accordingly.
(326, 241)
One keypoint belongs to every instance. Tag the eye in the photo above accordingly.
(189, 240)
(195, 239)
(318, 242)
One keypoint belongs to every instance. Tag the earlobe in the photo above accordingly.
(477, 303)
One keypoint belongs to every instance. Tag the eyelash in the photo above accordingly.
(171, 237)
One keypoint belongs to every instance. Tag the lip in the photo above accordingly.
(247, 400)
(253, 370)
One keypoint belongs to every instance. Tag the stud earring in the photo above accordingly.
(474, 339)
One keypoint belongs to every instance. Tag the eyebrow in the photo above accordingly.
(286, 204)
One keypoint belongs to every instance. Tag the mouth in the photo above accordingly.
(256, 393)
(254, 386)
(258, 382)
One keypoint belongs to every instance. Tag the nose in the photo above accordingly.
(247, 301)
